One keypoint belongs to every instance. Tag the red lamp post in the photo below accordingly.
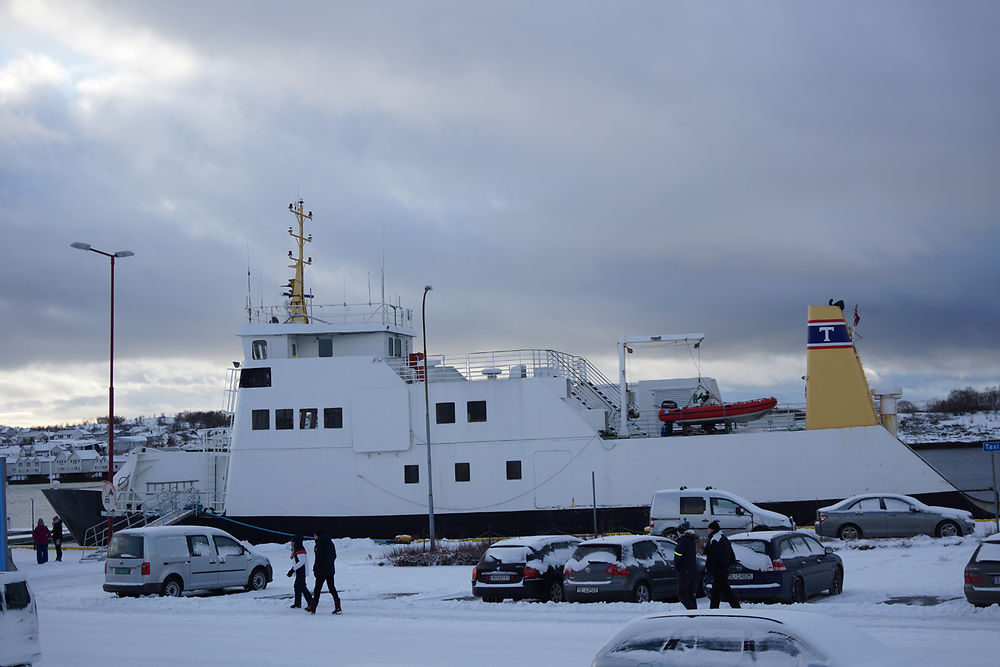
(111, 384)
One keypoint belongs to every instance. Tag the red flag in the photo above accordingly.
(857, 318)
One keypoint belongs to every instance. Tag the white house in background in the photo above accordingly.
(68, 434)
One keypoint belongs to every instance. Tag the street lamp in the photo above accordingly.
(111, 385)
(427, 418)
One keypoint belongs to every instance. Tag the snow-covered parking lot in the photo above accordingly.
(906, 593)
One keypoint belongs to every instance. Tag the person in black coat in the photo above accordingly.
(57, 537)
(323, 568)
(686, 562)
(719, 557)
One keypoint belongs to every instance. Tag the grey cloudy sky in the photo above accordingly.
(563, 173)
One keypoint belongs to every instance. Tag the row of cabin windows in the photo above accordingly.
(284, 419)
(463, 473)
(475, 412)
(258, 348)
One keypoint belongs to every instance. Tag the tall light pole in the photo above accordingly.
(427, 418)
(111, 383)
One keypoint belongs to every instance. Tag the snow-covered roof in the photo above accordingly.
(533, 541)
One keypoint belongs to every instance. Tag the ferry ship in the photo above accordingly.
(342, 423)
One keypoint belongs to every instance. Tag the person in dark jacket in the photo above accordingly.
(40, 536)
(300, 561)
(323, 568)
(686, 562)
(718, 557)
(57, 537)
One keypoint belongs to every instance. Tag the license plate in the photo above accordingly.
(586, 589)
(741, 575)
(500, 577)
(122, 570)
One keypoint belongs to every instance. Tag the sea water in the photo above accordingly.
(26, 504)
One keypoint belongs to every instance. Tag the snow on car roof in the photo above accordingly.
(533, 541)
(763, 535)
(625, 539)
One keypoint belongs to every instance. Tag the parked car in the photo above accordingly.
(523, 567)
(19, 642)
(890, 515)
(782, 565)
(168, 560)
(699, 507)
(982, 574)
(636, 568)
(737, 637)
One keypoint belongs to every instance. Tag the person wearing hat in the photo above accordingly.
(40, 536)
(57, 537)
(719, 557)
(686, 563)
(300, 564)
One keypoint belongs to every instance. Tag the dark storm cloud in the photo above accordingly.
(562, 174)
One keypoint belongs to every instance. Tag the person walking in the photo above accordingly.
(718, 557)
(323, 568)
(57, 537)
(40, 536)
(686, 563)
(300, 563)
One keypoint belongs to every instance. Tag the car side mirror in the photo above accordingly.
(828, 550)
(913, 509)
(739, 511)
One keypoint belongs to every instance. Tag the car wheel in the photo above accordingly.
(555, 592)
(172, 587)
(257, 580)
(798, 591)
(641, 592)
(837, 586)
(849, 532)
(948, 529)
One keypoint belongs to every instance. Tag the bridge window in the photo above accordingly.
(411, 474)
(333, 418)
(476, 411)
(513, 470)
(255, 377)
(260, 420)
(258, 349)
(326, 347)
(307, 418)
(462, 472)
(283, 419)
(445, 413)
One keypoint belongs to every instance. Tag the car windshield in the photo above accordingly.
(989, 551)
(508, 553)
(598, 553)
(125, 546)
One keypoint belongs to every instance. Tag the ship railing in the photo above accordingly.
(591, 388)
(167, 497)
(382, 314)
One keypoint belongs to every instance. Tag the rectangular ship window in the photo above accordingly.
(307, 418)
(411, 474)
(258, 349)
(260, 420)
(476, 411)
(255, 377)
(445, 413)
(326, 347)
(462, 472)
(333, 417)
(283, 419)
(513, 470)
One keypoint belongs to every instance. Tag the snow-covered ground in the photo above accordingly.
(426, 616)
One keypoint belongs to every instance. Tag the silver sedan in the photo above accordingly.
(890, 515)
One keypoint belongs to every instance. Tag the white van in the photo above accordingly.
(168, 560)
(700, 507)
(19, 644)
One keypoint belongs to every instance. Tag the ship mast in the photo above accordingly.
(296, 293)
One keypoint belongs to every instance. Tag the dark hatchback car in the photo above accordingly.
(982, 574)
(623, 568)
(523, 567)
(782, 565)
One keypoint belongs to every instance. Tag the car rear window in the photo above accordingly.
(598, 553)
(989, 551)
(16, 594)
(512, 553)
(126, 546)
(760, 546)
